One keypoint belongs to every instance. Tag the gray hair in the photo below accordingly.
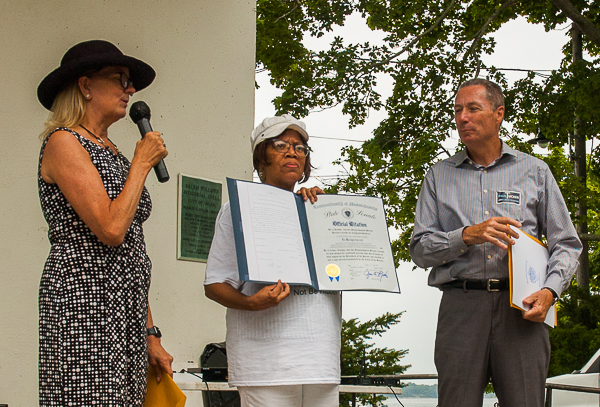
(493, 92)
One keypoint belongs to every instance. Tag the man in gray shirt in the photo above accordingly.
(461, 231)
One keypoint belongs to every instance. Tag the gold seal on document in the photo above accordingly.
(333, 271)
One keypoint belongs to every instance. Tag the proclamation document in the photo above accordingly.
(272, 236)
(350, 243)
(528, 263)
(340, 242)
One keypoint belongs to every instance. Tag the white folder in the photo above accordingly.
(527, 266)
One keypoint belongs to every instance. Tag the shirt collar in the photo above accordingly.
(463, 157)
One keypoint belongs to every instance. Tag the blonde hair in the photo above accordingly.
(68, 109)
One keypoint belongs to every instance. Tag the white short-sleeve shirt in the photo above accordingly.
(297, 342)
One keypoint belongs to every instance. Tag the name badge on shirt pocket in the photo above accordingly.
(509, 197)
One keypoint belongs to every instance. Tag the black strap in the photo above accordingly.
(489, 285)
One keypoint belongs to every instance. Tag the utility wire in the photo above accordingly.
(340, 139)
(521, 70)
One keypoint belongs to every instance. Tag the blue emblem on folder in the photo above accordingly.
(532, 275)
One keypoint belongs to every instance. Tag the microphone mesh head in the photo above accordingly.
(139, 110)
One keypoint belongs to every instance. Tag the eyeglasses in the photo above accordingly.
(125, 80)
(282, 146)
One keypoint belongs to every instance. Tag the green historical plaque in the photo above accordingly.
(199, 204)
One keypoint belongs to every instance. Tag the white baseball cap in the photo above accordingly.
(274, 126)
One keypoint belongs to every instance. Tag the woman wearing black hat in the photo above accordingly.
(96, 330)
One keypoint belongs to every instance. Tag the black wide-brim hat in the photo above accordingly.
(95, 54)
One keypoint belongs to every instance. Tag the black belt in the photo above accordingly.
(490, 285)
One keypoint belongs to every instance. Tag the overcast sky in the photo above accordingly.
(519, 45)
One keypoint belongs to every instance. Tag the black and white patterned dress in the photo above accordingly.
(93, 300)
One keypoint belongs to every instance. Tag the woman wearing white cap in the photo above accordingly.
(283, 342)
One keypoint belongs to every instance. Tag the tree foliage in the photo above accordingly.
(360, 357)
(430, 47)
(577, 336)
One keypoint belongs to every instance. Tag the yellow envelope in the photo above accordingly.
(163, 394)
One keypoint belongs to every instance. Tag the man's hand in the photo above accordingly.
(493, 230)
(159, 358)
(540, 302)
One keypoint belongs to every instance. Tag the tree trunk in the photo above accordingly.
(591, 31)
(583, 274)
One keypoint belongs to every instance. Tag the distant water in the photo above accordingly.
(423, 402)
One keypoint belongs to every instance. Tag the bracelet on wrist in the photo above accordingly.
(554, 294)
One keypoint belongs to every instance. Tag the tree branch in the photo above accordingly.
(585, 25)
(297, 3)
(418, 37)
(481, 33)
(483, 28)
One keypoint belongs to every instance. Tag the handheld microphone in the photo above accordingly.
(140, 114)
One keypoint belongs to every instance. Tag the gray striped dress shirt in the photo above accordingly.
(457, 193)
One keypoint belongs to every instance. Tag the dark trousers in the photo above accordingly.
(479, 336)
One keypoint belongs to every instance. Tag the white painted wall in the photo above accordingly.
(203, 102)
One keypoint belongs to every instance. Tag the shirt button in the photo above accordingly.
(487, 212)
(485, 171)
(489, 256)
(485, 191)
